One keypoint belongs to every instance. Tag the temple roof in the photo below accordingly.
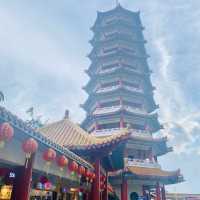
(23, 128)
(145, 171)
(70, 135)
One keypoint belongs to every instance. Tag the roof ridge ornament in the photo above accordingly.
(117, 3)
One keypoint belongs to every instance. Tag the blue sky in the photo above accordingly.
(43, 48)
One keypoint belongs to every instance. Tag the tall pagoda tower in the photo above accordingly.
(120, 91)
(120, 98)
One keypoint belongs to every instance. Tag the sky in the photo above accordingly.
(43, 48)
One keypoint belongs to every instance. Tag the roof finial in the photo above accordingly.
(117, 3)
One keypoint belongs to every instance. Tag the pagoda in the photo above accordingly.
(120, 96)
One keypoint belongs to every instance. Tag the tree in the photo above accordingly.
(1, 96)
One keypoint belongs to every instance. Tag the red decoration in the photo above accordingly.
(93, 175)
(87, 174)
(29, 146)
(49, 155)
(62, 161)
(73, 166)
(6, 133)
(81, 170)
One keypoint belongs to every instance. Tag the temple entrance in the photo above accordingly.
(134, 196)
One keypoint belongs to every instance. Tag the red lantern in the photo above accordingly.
(93, 175)
(81, 170)
(62, 161)
(49, 155)
(29, 146)
(6, 133)
(73, 166)
(87, 174)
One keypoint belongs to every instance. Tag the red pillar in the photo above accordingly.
(105, 192)
(96, 183)
(22, 185)
(163, 193)
(158, 196)
(124, 189)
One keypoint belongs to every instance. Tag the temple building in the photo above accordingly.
(114, 153)
(120, 95)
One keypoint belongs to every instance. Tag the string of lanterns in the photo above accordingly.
(6, 133)
(30, 146)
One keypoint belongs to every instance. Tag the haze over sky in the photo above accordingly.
(43, 48)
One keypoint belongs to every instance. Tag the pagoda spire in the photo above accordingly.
(117, 3)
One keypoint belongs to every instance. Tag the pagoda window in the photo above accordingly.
(139, 127)
(111, 20)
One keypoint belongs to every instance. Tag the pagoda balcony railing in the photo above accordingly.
(105, 110)
(106, 132)
(108, 70)
(134, 89)
(129, 162)
(135, 110)
(141, 133)
(108, 89)
(110, 131)
(115, 87)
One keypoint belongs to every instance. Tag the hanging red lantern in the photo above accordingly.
(81, 170)
(93, 175)
(62, 161)
(29, 146)
(6, 133)
(49, 155)
(73, 166)
(87, 174)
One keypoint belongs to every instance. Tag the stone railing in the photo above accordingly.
(107, 89)
(133, 89)
(106, 110)
(141, 163)
(106, 132)
(140, 133)
(135, 110)
(104, 71)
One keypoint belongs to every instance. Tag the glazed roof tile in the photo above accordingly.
(145, 171)
(68, 134)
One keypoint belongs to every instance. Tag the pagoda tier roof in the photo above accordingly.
(22, 127)
(152, 119)
(116, 36)
(117, 112)
(118, 53)
(94, 97)
(70, 135)
(119, 69)
(143, 138)
(147, 173)
(118, 9)
(118, 23)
